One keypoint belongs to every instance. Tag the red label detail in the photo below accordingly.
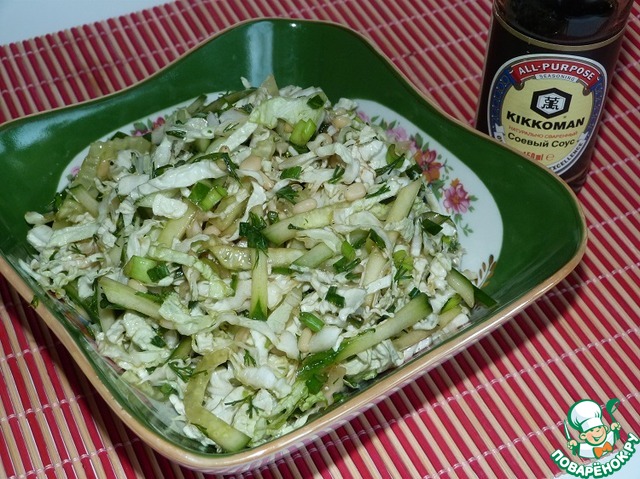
(583, 72)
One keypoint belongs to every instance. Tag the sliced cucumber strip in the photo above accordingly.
(177, 227)
(128, 298)
(415, 310)
(138, 267)
(286, 229)
(259, 286)
(223, 434)
(315, 256)
(469, 292)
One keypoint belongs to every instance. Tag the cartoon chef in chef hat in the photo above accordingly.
(585, 416)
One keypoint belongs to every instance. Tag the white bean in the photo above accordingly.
(267, 184)
(211, 231)
(341, 121)
(137, 285)
(355, 191)
(304, 206)
(252, 162)
(303, 341)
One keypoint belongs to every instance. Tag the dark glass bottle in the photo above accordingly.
(548, 69)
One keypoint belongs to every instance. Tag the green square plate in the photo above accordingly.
(522, 228)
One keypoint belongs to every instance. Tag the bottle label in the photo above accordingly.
(547, 106)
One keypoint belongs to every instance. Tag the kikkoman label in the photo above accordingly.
(547, 106)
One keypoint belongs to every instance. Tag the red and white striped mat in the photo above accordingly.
(494, 410)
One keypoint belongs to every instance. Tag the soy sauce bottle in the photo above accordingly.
(548, 69)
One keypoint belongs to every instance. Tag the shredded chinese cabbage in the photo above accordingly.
(253, 259)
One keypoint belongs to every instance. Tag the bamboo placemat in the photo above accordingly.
(494, 410)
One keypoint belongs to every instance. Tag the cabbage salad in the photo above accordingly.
(253, 259)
